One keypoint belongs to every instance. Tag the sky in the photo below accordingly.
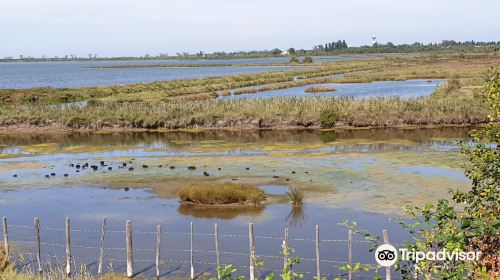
(139, 27)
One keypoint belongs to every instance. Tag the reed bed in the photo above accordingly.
(256, 113)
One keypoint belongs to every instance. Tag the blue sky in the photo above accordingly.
(126, 27)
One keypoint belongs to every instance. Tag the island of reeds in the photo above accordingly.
(222, 194)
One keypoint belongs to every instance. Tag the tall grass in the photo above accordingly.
(53, 271)
(255, 113)
(4, 260)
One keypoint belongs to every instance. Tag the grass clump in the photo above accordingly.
(225, 193)
(4, 260)
(296, 196)
(452, 85)
(328, 118)
(320, 89)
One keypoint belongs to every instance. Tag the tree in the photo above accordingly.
(291, 51)
(276, 51)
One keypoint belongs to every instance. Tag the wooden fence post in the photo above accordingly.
(38, 248)
(285, 249)
(349, 246)
(101, 246)
(318, 272)
(386, 241)
(191, 255)
(6, 237)
(68, 247)
(217, 254)
(252, 251)
(130, 256)
(158, 245)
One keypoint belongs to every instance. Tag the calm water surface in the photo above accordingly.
(77, 74)
(403, 89)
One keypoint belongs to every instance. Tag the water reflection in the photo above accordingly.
(236, 141)
(296, 216)
(218, 212)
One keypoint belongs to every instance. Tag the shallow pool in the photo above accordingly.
(403, 89)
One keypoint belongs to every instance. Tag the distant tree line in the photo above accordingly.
(330, 47)
(443, 46)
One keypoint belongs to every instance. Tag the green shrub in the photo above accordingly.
(328, 118)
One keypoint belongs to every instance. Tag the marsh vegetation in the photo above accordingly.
(220, 194)
(191, 103)
(320, 89)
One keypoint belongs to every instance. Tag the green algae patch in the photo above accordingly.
(450, 160)
(52, 148)
(42, 148)
(7, 156)
(392, 142)
(21, 165)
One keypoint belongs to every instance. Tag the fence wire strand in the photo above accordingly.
(187, 234)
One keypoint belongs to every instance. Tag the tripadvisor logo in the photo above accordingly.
(386, 255)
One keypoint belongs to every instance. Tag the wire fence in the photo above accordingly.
(170, 258)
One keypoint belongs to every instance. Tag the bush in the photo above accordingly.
(225, 193)
(328, 118)
(294, 59)
(308, 59)
(470, 221)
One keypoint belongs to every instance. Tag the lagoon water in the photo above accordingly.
(360, 175)
(403, 89)
(70, 74)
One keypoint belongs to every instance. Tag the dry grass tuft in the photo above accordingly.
(4, 260)
(296, 196)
